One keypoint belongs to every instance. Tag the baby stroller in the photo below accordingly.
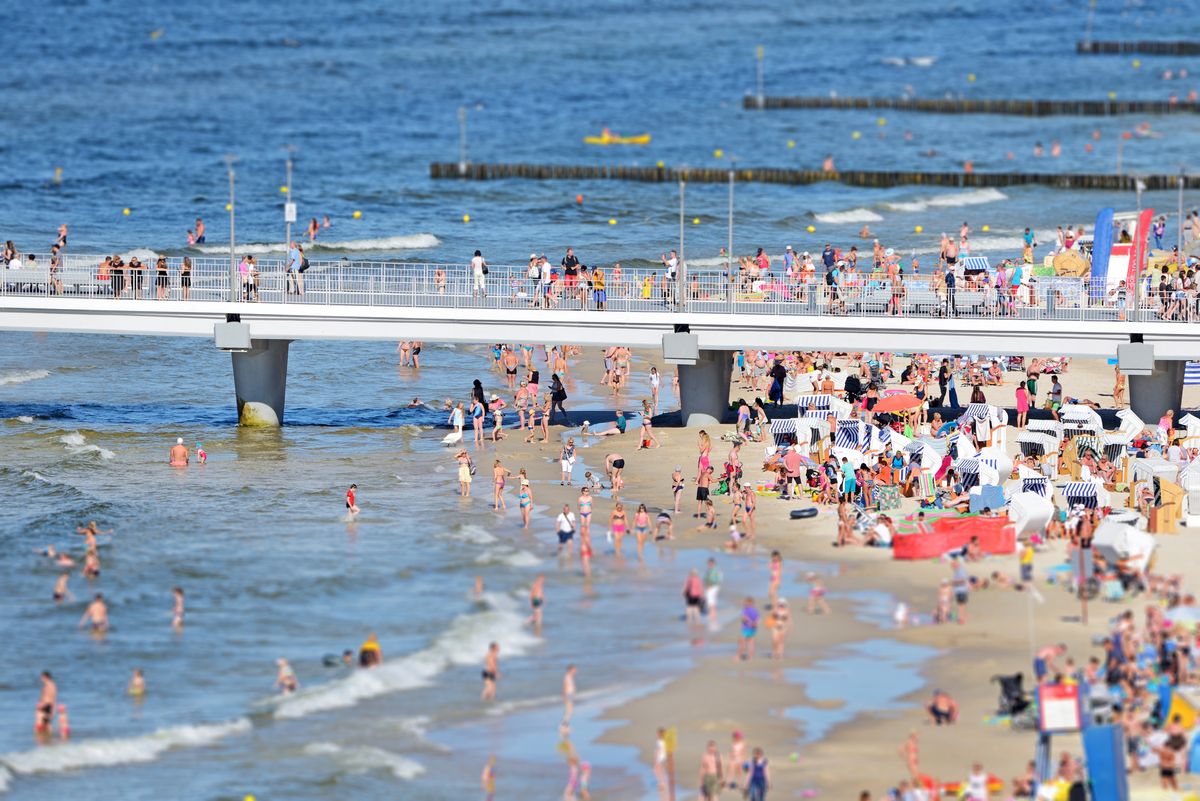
(1015, 702)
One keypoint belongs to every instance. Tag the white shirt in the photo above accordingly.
(477, 265)
(672, 266)
(977, 788)
(566, 521)
(15, 264)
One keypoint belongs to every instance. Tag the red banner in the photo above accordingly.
(1137, 260)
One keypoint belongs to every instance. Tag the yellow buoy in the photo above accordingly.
(658, 164)
(987, 228)
(791, 143)
(612, 221)
(812, 229)
(695, 221)
(856, 134)
(126, 211)
(1112, 95)
(917, 229)
(882, 121)
(228, 207)
(1137, 62)
(249, 797)
(718, 153)
(466, 218)
(357, 214)
(283, 189)
(970, 77)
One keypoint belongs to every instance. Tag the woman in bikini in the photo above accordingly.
(525, 498)
(705, 446)
(499, 473)
(617, 524)
(641, 527)
(677, 486)
(585, 513)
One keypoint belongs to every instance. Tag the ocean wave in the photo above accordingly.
(77, 443)
(24, 418)
(971, 197)
(464, 642)
(5, 778)
(359, 759)
(36, 476)
(22, 376)
(858, 215)
(506, 556)
(404, 242)
(144, 255)
(119, 750)
(476, 535)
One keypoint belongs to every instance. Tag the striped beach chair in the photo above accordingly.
(1191, 374)
(1080, 493)
(1041, 486)
(967, 471)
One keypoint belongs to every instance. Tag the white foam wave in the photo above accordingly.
(24, 419)
(970, 197)
(144, 255)
(473, 534)
(852, 216)
(77, 443)
(922, 61)
(5, 778)
(1000, 247)
(893, 61)
(35, 475)
(508, 557)
(404, 242)
(22, 376)
(362, 758)
(464, 642)
(119, 750)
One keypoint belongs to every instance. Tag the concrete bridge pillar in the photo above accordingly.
(260, 382)
(1151, 395)
(704, 388)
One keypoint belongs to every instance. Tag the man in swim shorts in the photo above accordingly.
(179, 454)
(97, 614)
(491, 672)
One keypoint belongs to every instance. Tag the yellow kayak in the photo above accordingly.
(613, 139)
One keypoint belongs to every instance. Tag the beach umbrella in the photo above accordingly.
(897, 403)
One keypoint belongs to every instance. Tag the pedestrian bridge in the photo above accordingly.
(256, 314)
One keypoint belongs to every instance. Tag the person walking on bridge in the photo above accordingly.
(479, 269)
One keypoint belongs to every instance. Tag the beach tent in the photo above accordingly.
(1030, 512)
(920, 454)
(1152, 467)
(1121, 542)
(1051, 427)
(998, 460)
(1079, 419)
(960, 446)
(968, 472)
(1131, 425)
(851, 433)
(823, 403)
(1036, 443)
(1088, 494)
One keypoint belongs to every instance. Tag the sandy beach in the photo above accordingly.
(825, 733)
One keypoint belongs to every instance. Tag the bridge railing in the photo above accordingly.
(430, 285)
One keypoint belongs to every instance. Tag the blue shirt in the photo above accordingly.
(294, 259)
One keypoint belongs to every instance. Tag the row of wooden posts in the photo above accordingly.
(865, 178)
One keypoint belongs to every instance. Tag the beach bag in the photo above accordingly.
(485, 269)
(471, 466)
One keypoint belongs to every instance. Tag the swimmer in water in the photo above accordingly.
(64, 723)
(351, 499)
(370, 655)
(491, 672)
(201, 454)
(568, 689)
(179, 454)
(91, 529)
(177, 615)
(137, 684)
(285, 677)
(97, 614)
(487, 781)
(60, 588)
(537, 599)
(47, 700)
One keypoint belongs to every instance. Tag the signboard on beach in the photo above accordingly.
(1058, 708)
